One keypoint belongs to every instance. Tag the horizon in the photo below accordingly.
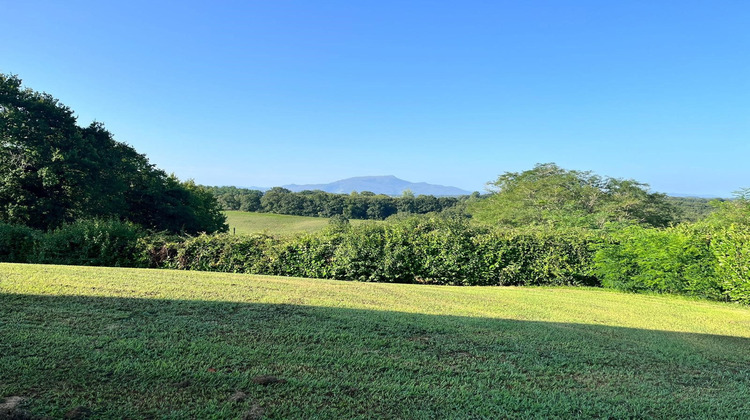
(299, 93)
(484, 191)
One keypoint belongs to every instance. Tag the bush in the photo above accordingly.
(159, 249)
(309, 255)
(671, 260)
(436, 250)
(731, 248)
(447, 252)
(93, 242)
(361, 256)
(225, 253)
(18, 243)
(537, 257)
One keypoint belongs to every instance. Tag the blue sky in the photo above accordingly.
(264, 93)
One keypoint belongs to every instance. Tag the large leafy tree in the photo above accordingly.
(39, 147)
(52, 171)
(553, 196)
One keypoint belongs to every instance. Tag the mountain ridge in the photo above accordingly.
(382, 184)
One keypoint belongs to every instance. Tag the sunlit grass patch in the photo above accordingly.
(126, 343)
(242, 222)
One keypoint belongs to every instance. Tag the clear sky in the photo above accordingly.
(273, 92)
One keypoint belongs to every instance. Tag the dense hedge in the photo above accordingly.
(415, 249)
(731, 248)
(109, 243)
(17, 243)
(698, 260)
(86, 242)
(671, 260)
(706, 260)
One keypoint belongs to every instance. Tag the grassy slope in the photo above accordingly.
(168, 344)
(281, 224)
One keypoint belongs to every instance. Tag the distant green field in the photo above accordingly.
(132, 343)
(280, 224)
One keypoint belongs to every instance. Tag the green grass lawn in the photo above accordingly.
(279, 224)
(131, 343)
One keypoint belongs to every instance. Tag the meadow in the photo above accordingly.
(136, 343)
(243, 222)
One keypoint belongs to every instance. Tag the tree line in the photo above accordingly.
(362, 205)
(53, 172)
(546, 194)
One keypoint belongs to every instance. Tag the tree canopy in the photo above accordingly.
(364, 205)
(52, 172)
(553, 196)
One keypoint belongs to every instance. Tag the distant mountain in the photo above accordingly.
(693, 195)
(264, 189)
(388, 185)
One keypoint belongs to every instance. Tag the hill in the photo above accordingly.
(243, 222)
(133, 343)
(388, 185)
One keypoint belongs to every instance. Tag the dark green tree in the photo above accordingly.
(39, 149)
(53, 172)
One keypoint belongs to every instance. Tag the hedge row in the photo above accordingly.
(87, 242)
(709, 261)
(697, 260)
(413, 250)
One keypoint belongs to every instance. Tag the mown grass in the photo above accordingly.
(128, 343)
(243, 222)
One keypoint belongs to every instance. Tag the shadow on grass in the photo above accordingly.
(142, 358)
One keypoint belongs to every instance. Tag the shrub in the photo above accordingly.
(18, 243)
(93, 242)
(731, 248)
(671, 260)
(537, 257)
(160, 249)
(308, 255)
(437, 250)
(361, 256)
(447, 252)
(225, 253)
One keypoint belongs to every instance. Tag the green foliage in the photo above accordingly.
(54, 172)
(375, 252)
(731, 212)
(671, 260)
(40, 171)
(308, 255)
(362, 206)
(551, 196)
(18, 243)
(538, 257)
(731, 247)
(339, 221)
(224, 253)
(436, 250)
(92, 242)
(233, 198)
(693, 209)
